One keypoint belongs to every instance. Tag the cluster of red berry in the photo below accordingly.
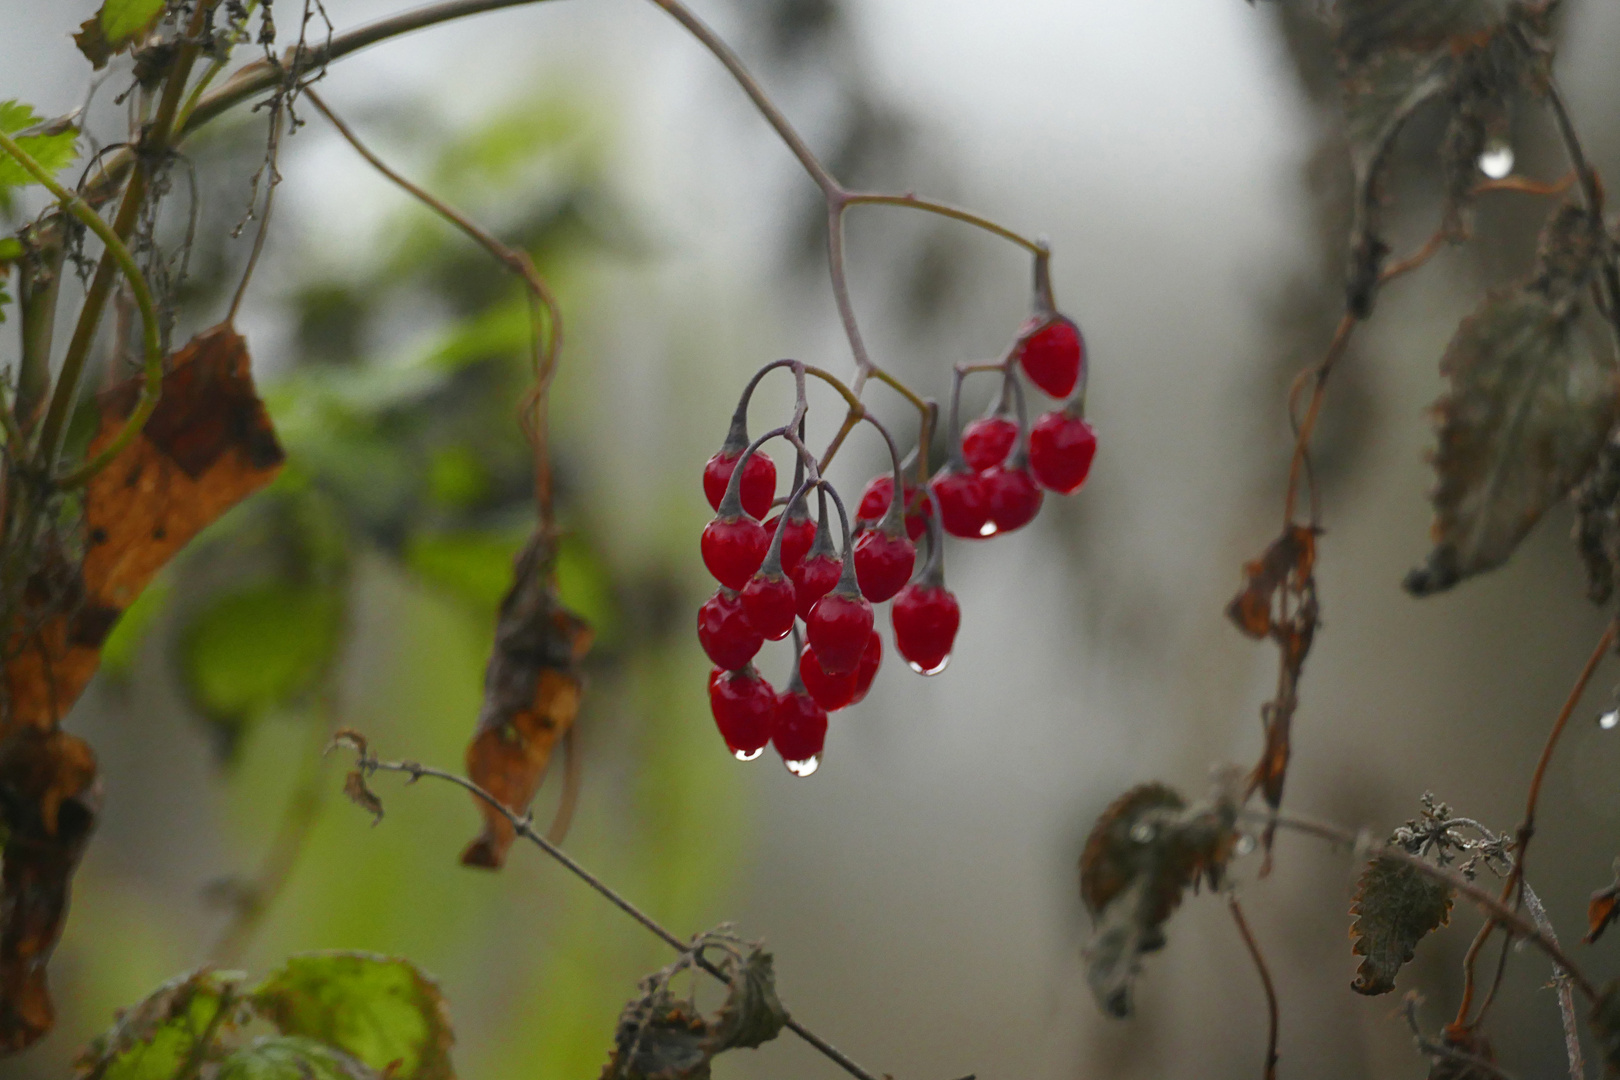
(774, 573)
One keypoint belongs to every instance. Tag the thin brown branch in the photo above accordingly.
(1302, 440)
(524, 826)
(1270, 1070)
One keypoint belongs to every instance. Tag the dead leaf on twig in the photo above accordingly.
(1604, 908)
(355, 787)
(1395, 907)
(531, 696)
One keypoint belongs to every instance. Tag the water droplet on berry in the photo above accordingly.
(987, 529)
(1244, 845)
(1141, 832)
(935, 670)
(1497, 161)
(805, 767)
(747, 755)
(1609, 719)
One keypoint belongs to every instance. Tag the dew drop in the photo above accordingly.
(1141, 832)
(1497, 160)
(1244, 845)
(935, 670)
(1609, 719)
(987, 529)
(747, 755)
(805, 767)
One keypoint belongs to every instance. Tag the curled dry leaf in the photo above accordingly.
(1395, 907)
(662, 1037)
(115, 27)
(359, 793)
(531, 696)
(207, 446)
(1603, 908)
(1527, 412)
(1143, 852)
(50, 798)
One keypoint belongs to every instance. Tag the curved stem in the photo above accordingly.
(1270, 1072)
(151, 337)
(870, 198)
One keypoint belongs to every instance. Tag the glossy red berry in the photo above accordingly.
(1013, 496)
(1052, 356)
(963, 508)
(871, 660)
(725, 632)
(883, 564)
(769, 602)
(758, 482)
(801, 533)
(733, 548)
(987, 441)
(875, 503)
(744, 707)
(838, 627)
(829, 691)
(800, 730)
(925, 621)
(815, 578)
(1060, 451)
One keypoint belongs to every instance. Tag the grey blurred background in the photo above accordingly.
(919, 891)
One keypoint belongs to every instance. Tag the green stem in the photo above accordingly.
(151, 339)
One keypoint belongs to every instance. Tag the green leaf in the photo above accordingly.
(11, 250)
(258, 648)
(1526, 414)
(291, 1057)
(119, 24)
(54, 150)
(1396, 906)
(153, 1039)
(380, 1009)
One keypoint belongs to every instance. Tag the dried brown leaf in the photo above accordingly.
(1286, 565)
(1395, 907)
(1142, 854)
(355, 787)
(532, 691)
(1527, 412)
(1603, 908)
(50, 798)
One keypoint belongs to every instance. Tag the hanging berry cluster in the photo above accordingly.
(778, 572)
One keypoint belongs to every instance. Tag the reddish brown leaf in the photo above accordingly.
(1287, 563)
(1603, 908)
(354, 786)
(207, 446)
(50, 798)
(531, 696)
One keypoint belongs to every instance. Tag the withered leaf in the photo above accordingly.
(1287, 564)
(532, 691)
(1396, 906)
(354, 786)
(206, 446)
(156, 1035)
(1603, 908)
(49, 798)
(660, 1037)
(1143, 852)
(115, 27)
(1526, 414)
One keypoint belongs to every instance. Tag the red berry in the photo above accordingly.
(925, 622)
(838, 627)
(758, 482)
(883, 564)
(1013, 495)
(871, 660)
(1052, 356)
(987, 441)
(875, 502)
(800, 731)
(829, 691)
(725, 632)
(744, 707)
(801, 533)
(963, 508)
(768, 600)
(733, 548)
(813, 579)
(1060, 451)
